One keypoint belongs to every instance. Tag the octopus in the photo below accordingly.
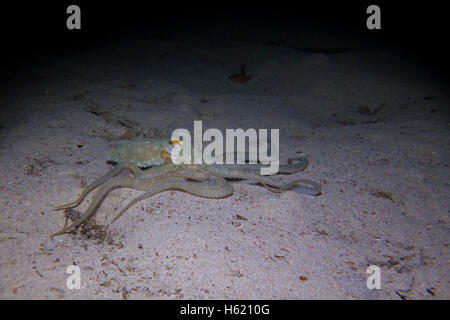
(146, 165)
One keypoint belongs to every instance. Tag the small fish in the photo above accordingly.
(240, 77)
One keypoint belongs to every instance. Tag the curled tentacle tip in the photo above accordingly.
(304, 186)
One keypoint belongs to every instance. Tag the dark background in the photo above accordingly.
(32, 29)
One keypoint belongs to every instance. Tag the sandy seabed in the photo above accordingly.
(373, 124)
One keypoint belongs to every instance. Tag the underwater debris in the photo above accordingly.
(240, 77)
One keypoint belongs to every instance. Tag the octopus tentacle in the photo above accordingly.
(98, 198)
(214, 188)
(116, 171)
